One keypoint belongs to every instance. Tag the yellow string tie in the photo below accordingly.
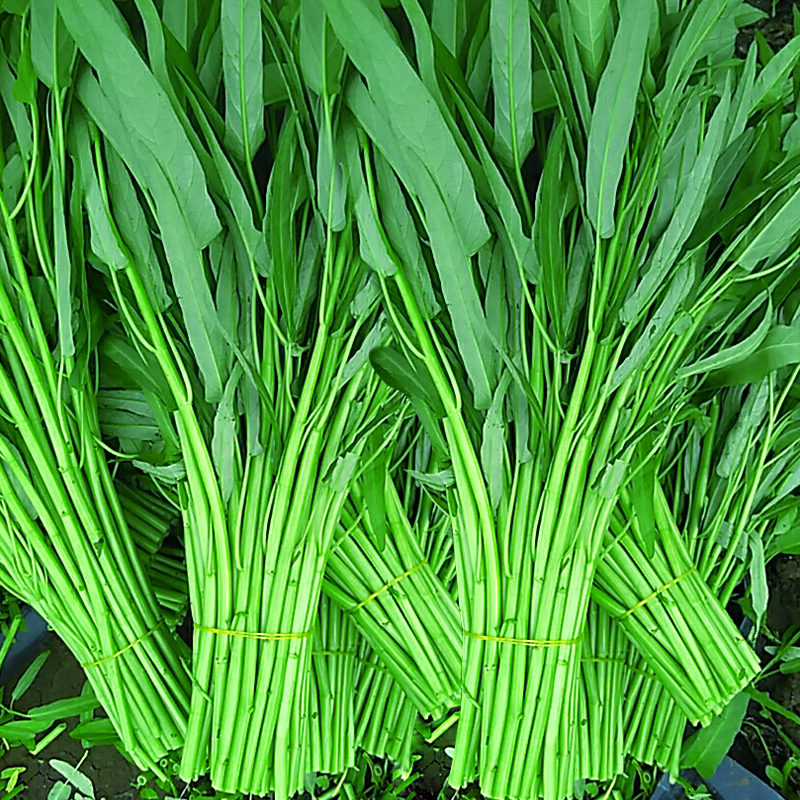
(124, 649)
(526, 642)
(388, 585)
(270, 637)
(657, 592)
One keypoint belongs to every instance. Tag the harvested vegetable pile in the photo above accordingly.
(462, 339)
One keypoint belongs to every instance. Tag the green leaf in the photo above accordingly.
(331, 187)
(555, 198)
(544, 94)
(407, 374)
(613, 114)
(169, 473)
(748, 420)
(139, 111)
(29, 676)
(612, 478)
(767, 702)
(698, 23)
(374, 479)
(403, 236)
(25, 85)
(493, 445)
(372, 243)
(643, 489)
(22, 495)
(786, 535)
(77, 779)
(243, 75)
(772, 230)
(683, 219)
(179, 240)
(224, 442)
(133, 227)
(404, 104)
(759, 591)
(775, 775)
(60, 791)
(705, 749)
(60, 709)
(343, 472)
(180, 17)
(96, 731)
(17, 113)
(438, 481)
(23, 730)
(729, 356)
(772, 82)
(233, 191)
(450, 257)
(779, 348)
(520, 243)
(512, 80)
(50, 44)
(137, 368)
(18, 7)
(313, 56)
(104, 242)
(589, 18)
(449, 21)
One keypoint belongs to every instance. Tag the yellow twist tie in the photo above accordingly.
(391, 583)
(657, 592)
(271, 637)
(124, 649)
(526, 642)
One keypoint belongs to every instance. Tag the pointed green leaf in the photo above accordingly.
(29, 676)
(705, 749)
(735, 353)
(684, 217)
(403, 102)
(77, 779)
(50, 44)
(613, 113)
(589, 19)
(493, 445)
(779, 348)
(243, 74)
(141, 109)
(510, 32)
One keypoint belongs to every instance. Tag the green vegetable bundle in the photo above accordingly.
(66, 543)
(379, 574)
(462, 340)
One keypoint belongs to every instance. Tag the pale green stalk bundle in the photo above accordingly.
(385, 716)
(604, 670)
(379, 574)
(66, 545)
(672, 617)
(331, 688)
(151, 519)
(654, 724)
(731, 496)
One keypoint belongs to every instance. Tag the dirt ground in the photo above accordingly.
(759, 744)
(61, 678)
